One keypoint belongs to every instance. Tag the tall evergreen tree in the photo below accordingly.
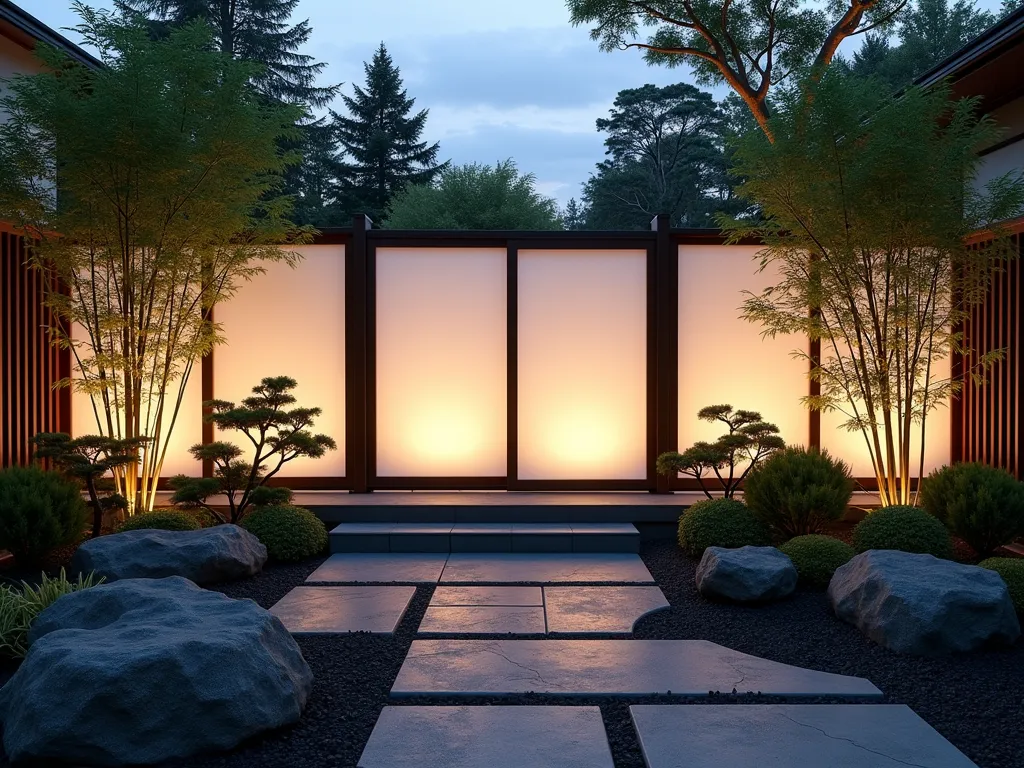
(383, 140)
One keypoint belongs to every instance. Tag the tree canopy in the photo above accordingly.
(747, 44)
(475, 196)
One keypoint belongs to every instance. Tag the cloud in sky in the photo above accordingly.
(501, 78)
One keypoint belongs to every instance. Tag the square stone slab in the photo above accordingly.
(483, 620)
(599, 609)
(791, 736)
(545, 568)
(487, 596)
(383, 567)
(334, 610)
(482, 737)
(606, 667)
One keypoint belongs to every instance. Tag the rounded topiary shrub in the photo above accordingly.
(908, 529)
(816, 557)
(40, 510)
(1012, 571)
(719, 523)
(289, 533)
(797, 491)
(982, 505)
(162, 519)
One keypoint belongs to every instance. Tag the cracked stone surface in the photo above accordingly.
(336, 610)
(599, 609)
(606, 667)
(487, 596)
(545, 568)
(483, 619)
(791, 736)
(383, 567)
(471, 737)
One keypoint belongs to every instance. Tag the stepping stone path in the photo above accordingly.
(606, 668)
(486, 737)
(791, 736)
(545, 568)
(381, 568)
(334, 610)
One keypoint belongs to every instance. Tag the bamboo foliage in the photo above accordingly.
(866, 203)
(153, 186)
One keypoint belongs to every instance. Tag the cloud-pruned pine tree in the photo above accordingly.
(382, 140)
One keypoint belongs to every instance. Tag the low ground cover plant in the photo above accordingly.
(1012, 571)
(162, 519)
(816, 557)
(982, 505)
(719, 523)
(907, 529)
(799, 491)
(40, 510)
(288, 532)
(19, 607)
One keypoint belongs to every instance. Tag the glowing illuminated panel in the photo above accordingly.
(851, 448)
(723, 358)
(290, 322)
(188, 428)
(441, 362)
(582, 407)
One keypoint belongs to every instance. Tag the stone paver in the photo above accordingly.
(599, 609)
(484, 619)
(487, 596)
(791, 736)
(382, 567)
(545, 568)
(606, 667)
(333, 610)
(482, 737)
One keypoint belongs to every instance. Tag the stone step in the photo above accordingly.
(485, 537)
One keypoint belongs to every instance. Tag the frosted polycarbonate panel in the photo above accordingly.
(442, 387)
(851, 448)
(582, 357)
(188, 427)
(723, 359)
(290, 322)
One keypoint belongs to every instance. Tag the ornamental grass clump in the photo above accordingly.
(1012, 571)
(816, 558)
(161, 519)
(799, 491)
(288, 532)
(719, 523)
(907, 529)
(982, 505)
(19, 607)
(40, 510)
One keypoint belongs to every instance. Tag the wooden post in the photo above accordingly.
(356, 369)
(666, 333)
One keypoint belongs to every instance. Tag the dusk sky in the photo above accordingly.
(501, 78)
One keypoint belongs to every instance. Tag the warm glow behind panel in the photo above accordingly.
(441, 362)
(188, 428)
(582, 365)
(290, 322)
(850, 446)
(723, 358)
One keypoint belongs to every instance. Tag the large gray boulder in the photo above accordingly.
(145, 670)
(745, 575)
(206, 556)
(922, 605)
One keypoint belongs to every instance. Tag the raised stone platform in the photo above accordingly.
(543, 568)
(338, 610)
(606, 668)
(482, 737)
(418, 568)
(791, 736)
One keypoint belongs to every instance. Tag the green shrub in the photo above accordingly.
(798, 491)
(19, 607)
(719, 523)
(1012, 571)
(162, 519)
(816, 557)
(289, 533)
(907, 529)
(39, 511)
(982, 505)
